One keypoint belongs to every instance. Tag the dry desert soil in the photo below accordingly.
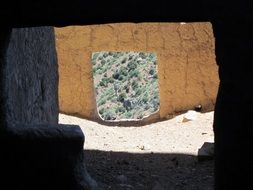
(158, 156)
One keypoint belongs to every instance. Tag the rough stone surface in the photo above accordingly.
(206, 152)
(186, 63)
(30, 89)
(4, 41)
(44, 157)
(36, 152)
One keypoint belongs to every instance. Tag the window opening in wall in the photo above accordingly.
(126, 85)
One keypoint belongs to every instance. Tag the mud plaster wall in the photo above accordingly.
(187, 71)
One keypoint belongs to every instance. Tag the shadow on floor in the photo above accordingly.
(149, 171)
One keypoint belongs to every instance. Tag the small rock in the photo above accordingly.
(142, 147)
(190, 116)
(206, 152)
(198, 108)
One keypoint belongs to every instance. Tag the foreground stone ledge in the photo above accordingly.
(43, 157)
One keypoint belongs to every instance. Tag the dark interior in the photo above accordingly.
(37, 153)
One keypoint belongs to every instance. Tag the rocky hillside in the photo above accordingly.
(126, 84)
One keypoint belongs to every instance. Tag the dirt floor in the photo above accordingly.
(159, 156)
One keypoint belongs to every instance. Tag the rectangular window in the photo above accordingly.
(126, 85)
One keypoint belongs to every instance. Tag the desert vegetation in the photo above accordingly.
(126, 84)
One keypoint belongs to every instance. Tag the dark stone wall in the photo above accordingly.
(4, 41)
(233, 110)
(30, 75)
(36, 152)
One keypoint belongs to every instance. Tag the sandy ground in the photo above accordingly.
(159, 156)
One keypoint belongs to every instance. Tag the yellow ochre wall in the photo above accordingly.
(187, 71)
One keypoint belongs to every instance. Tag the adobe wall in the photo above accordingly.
(187, 71)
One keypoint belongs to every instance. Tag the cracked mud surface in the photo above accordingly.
(187, 70)
(159, 156)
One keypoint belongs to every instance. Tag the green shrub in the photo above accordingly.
(138, 92)
(142, 55)
(152, 71)
(100, 72)
(114, 99)
(145, 99)
(94, 62)
(128, 115)
(123, 71)
(105, 54)
(103, 83)
(124, 60)
(101, 111)
(102, 101)
(122, 97)
(130, 57)
(155, 104)
(116, 75)
(146, 107)
(134, 85)
(109, 114)
(134, 73)
(140, 116)
(94, 56)
(119, 75)
(131, 65)
(99, 67)
(152, 56)
(121, 78)
(105, 80)
(126, 88)
(94, 70)
(116, 55)
(103, 62)
(120, 109)
(121, 54)
(110, 80)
